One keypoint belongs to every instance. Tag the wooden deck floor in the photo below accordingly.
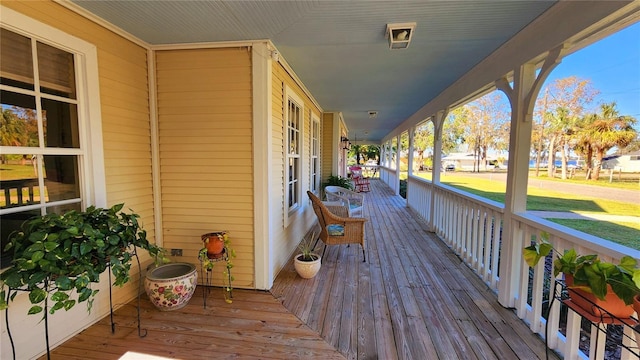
(412, 299)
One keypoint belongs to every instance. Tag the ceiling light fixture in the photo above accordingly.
(373, 114)
(399, 35)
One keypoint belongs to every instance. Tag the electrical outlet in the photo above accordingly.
(176, 252)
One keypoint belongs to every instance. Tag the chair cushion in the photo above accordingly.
(335, 230)
(355, 203)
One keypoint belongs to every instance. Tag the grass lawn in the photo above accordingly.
(15, 171)
(627, 234)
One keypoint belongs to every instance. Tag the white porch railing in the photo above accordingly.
(389, 177)
(465, 222)
(472, 227)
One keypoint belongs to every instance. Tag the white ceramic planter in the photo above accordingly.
(307, 269)
(170, 286)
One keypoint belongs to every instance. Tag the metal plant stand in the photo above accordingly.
(599, 323)
(208, 275)
(141, 332)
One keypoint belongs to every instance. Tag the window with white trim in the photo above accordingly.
(293, 150)
(315, 155)
(42, 138)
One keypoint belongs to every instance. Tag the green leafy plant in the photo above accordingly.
(55, 256)
(589, 272)
(209, 263)
(306, 248)
(337, 180)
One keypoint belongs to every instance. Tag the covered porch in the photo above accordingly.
(414, 298)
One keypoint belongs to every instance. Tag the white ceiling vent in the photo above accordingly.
(399, 35)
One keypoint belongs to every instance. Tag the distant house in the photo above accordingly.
(465, 161)
(625, 162)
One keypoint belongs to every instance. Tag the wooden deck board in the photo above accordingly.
(412, 299)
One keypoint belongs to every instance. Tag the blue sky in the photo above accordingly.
(613, 66)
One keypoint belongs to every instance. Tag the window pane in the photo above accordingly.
(61, 177)
(19, 125)
(60, 121)
(16, 65)
(56, 71)
(18, 182)
(61, 209)
(8, 224)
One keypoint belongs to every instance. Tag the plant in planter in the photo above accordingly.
(57, 255)
(307, 263)
(337, 180)
(591, 280)
(208, 259)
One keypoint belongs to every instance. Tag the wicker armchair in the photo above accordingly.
(353, 200)
(336, 227)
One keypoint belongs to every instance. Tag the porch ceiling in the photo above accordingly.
(338, 48)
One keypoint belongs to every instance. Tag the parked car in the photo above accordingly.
(450, 167)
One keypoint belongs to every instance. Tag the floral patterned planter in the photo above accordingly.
(171, 286)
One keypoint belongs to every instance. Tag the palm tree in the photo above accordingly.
(604, 131)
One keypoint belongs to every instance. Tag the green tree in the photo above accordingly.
(422, 142)
(605, 130)
(572, 94)
(486, 127)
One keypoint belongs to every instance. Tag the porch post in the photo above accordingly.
(410, 150)
(522, 98)
(396, 186)
(438, 121)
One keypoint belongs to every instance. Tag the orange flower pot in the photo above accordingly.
(214, 242)
(612, 305)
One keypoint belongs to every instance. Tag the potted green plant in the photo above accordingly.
(307, 263)
(55, 256)
(590, 280)
(208, 259)
(337, 180)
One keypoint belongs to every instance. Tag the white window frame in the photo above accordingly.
(90, 153)
(314, 155)
(292, 97)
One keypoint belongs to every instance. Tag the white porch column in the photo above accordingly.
(438, 121)
(410, 160)
(522, 98)
(410, 150)
(396, 186)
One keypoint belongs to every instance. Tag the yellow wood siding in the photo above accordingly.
(205, 139)
(327, 146)
(286, 237)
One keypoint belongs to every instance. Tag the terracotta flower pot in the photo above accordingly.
(612, 304)
(307, 269)
(171, 286)
(636, 305)
(214, 242)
